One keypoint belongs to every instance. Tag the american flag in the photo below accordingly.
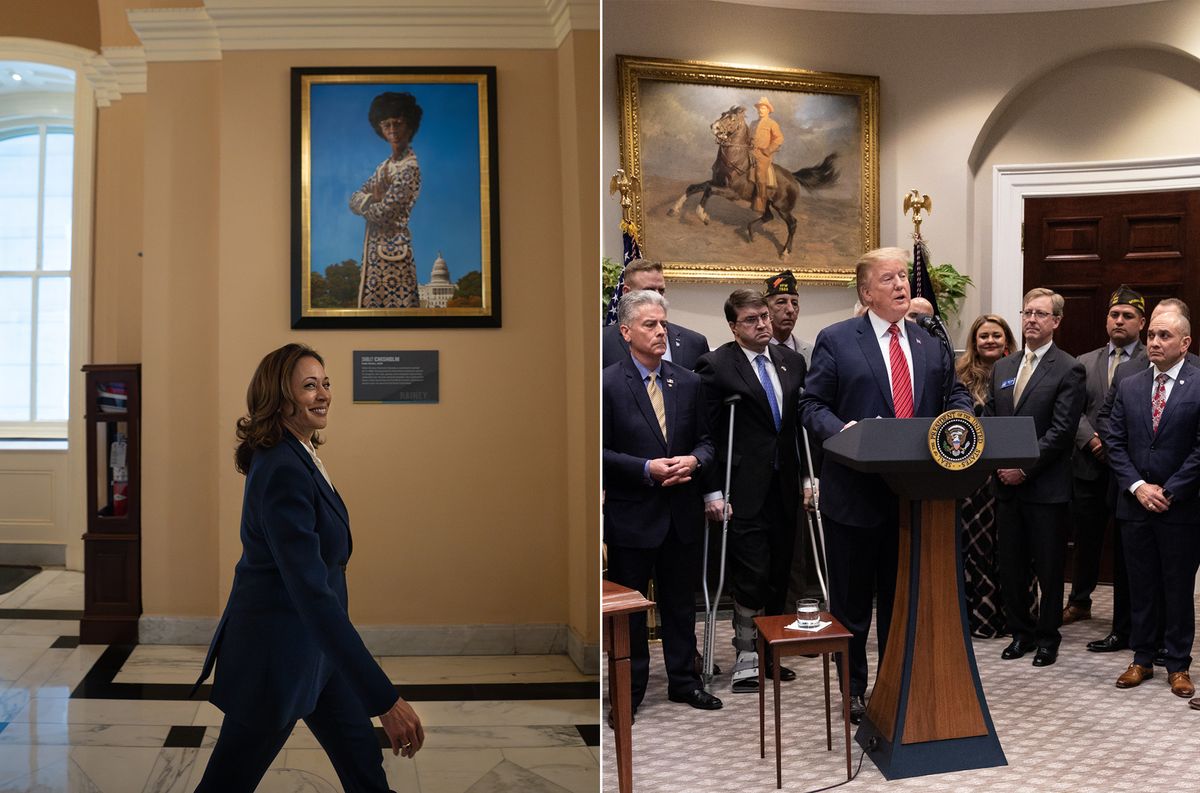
(921, 285)
(630, 251)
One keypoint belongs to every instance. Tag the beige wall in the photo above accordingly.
(957, 95)
(481, 509)
(578, 88)
(68, 21)
(462, 511)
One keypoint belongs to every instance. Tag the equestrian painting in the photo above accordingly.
(740, 169)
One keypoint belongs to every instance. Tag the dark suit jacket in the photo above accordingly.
(1095, 364)
(638, 514)
(686, 345)
(1134, 365)
(286, 629)
(756, 444)
(1170, 457)
(1054, 397)
(849, 382)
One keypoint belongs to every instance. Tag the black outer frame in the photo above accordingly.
(335, 323)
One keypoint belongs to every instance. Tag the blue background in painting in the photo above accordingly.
(345, 152)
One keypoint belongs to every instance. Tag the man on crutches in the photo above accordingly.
(764, 469)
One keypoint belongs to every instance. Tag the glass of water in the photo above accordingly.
(808, 614)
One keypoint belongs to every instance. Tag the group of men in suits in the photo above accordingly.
(664, 472)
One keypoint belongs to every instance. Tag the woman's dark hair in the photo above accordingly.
(268, 398)
(391, 104)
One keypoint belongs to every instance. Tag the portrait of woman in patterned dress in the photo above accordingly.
(385, 201)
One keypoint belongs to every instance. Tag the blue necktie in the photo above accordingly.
(765, 379)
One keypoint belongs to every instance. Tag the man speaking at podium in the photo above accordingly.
(877, 365)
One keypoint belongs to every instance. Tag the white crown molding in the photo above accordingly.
(176, 34)
(191, 34)
(116, 71)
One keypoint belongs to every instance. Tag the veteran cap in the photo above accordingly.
(1124, 296)
(781, 284)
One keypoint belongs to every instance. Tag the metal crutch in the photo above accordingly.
(710, 606)
(818, 554)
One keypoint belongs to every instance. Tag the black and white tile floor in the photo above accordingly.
(116, 719)
(1064, 729)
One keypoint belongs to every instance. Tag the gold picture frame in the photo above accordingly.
(671, 114)
(383, 238)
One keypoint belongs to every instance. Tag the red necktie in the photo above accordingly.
(902, 396)
(1158, 401)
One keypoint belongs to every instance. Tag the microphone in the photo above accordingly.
(733, 399)
(937, 328)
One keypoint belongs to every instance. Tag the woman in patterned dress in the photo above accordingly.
(990, 340)
(389, 272)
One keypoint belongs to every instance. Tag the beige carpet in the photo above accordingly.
(1064, 728)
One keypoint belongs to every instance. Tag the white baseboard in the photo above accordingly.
(586, 656)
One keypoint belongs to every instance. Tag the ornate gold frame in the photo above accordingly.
(632, 71)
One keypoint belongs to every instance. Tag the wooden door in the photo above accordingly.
(1084, 247)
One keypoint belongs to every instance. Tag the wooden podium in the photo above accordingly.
(928, 713)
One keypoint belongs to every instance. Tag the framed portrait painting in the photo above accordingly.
(740, 172)
(395, 200)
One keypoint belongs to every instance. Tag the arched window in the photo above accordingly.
(36, 174)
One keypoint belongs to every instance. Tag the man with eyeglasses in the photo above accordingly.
(765, 475)
(874, 365)
(1032, 514)
(1090, 499)
(684, 346)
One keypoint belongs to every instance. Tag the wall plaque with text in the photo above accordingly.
(396, 376)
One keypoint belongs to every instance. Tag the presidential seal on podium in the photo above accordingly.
(955, 440)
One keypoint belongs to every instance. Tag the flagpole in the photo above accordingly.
(625, 185)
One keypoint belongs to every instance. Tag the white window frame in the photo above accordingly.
(82, 202)
(11, 128)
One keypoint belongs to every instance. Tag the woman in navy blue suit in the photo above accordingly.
(286, 646)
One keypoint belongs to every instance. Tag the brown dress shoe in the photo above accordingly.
(1181, 684)
(1075, 614)
(1134, 675)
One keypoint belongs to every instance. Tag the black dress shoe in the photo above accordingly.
(785, 674)
(612, 722)
(858, 708)
(1109, 644)
(1045, 656)
(1016, 650)
(697, 698)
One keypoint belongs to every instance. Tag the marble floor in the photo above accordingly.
(116, 719)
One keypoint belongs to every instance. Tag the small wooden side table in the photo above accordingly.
(617, 603)
(773, 635)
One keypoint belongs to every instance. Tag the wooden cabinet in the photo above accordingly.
(112, 563)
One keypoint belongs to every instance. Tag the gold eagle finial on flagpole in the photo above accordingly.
(625, 185)
(916, 202)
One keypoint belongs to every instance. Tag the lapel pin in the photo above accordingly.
(783, 368)
(670, 382)
(677, 342)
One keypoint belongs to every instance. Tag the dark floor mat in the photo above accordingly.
(12, 576)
